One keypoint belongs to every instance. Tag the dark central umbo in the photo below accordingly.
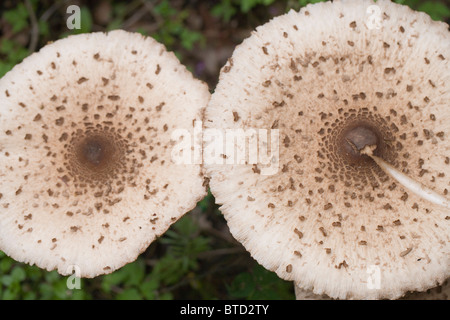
(94, 151)
(357, 138)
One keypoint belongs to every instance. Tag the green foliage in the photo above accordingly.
(437, 10)
(86, 21)
(260, 284)
(126, 283)
(19, 281)
(138, 281)
(247, 5)
(227, 9)
(305, 2)
(185, 243)
(17, 18)
(173, 28)
(119, 12)
(11, 53)
(142, 279)
(224, 10)
(135, 281)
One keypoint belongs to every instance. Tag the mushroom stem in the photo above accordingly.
(407, 182)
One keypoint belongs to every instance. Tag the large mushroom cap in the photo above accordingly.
(86, 175)
(333, 79)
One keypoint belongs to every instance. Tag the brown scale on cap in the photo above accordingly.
(332, 90)
(85, 156)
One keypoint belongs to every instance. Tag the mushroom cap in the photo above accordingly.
(331, 83)
(441, 292)
(87, 179)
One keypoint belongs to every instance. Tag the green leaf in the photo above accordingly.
(46, 291)
(34, 273)
(11, 293)
(86, 21)
(120, 10)
(29, 295)
(17, 18)
(113, 279)
(5, 263)
(436, 10)
(410, 3)
(260, 284)
(7, 280)
(114, 24)
(60, 290)
(189, 38)
(305, 2)
(43, 28)
(135, 272)
(242, 286)
(6, 46)
(247, 5)
(205, 202)
(129, 294)
(149, 287)
(18, 274)
(52, 277)
(224, 10)
(164, 9)
(13, 53)
(166, 296)
(80, 295)
(130, 275)
(142, 31)
(168, 270)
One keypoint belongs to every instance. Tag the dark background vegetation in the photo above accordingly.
(197, 258)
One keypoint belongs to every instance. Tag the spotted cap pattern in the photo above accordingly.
(86, 175)
(332, 83)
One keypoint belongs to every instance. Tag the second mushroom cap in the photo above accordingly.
(332, 81)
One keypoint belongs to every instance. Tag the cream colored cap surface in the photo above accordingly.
(86, 175)
(333, 78)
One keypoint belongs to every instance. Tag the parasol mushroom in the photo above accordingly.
(86, 177)
(346, 96)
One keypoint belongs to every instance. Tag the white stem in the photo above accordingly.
(407, 182)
